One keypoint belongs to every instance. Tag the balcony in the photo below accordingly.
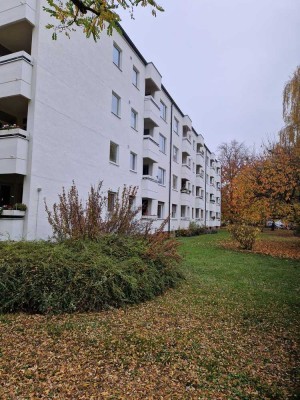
(200, 157)
(186, 146)
(152, 79)
(149, 187)
(187, 123)
(12, 11)
(185, 197)
(16, 75)
(11, 225)
(186, 172)
(151, 111)
(13, 151)
(199, 202)
(150, 148)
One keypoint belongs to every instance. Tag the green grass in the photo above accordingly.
(230, 331)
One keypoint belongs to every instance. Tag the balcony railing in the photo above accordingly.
(12, 11)
(16, 75)
(150, 148)
(13, 151)
(184, 190)
(151, 111)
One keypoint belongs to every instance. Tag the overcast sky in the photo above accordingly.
(225, 62)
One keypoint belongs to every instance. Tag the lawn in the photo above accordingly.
(228, 332)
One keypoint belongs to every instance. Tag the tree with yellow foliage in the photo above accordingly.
(92, 16)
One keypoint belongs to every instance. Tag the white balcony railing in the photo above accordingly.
(16, 75)
(150, 148)
(149, 187)
(151, 111)
(12, 11)
(13, 151)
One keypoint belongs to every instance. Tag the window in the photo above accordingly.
(175, 154)
(174, 210)
(117, 56)
(175, 182)
(197, 213)
(132, 202)
(161, 177)
(192, 213)
(162, 143)
(198, 191)
(133, 161)
(114, 152)
(193, 190)
(194, 144)
(134, 119)
(163, 110)
(176, 126)
(115, 104)
(135, 77)
(160, 209)
(111, 198)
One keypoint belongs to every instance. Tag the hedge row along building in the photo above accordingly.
(89, 112)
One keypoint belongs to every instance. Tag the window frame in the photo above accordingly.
(176, 180)
(135, 74)
(134, 118)
(161, 207)
(163, 111)
(174, 214)
(163, 148)
(176, 126)
(133, 162)
(116, 96)
(116, 162)
(111, 200)
(118, 64)
(175, 154)
(161, 179)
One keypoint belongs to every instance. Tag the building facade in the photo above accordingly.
(73, 109)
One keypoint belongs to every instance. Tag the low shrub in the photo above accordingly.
(45, 277)
(194, 230)
(244, 234)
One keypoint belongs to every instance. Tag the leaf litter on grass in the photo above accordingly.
(201, 341)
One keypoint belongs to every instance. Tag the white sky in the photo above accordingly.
(225, 62)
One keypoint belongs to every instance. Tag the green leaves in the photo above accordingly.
(92, 16)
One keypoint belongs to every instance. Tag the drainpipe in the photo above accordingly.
(170, 167)
(37, 212)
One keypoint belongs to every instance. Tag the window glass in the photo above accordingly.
(163, 110)
(111, 198)
(115, 104)
(133, 161)
(134, 117)
(161, 176)
(113, 152)
(162, 143)
(117, 56)
(135, 75)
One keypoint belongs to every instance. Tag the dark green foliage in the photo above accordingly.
(194, 231)
(45, 277)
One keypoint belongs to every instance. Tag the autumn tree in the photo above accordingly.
(92, 16)
(233, 157)
(267, 187)
(290, 134)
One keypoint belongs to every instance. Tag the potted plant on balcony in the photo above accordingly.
(16, 211)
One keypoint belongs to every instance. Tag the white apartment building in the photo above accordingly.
(92, 112)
